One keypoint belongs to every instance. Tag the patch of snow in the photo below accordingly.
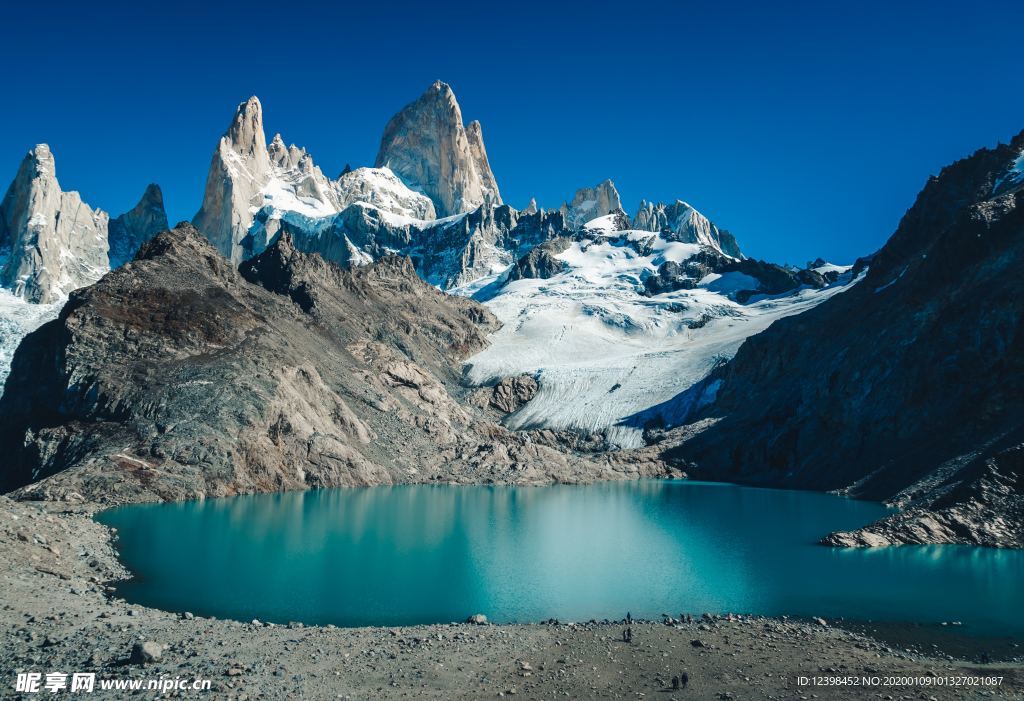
(381, 188)
(892, 282)
(396, 220)
(289, 191)
(832, 268)
(604, 224)
(358, 257)
(1013, 177)
(729, 283)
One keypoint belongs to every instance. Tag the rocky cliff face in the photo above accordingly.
(590, 203)
(428, 147)
(482, 244)
(178, 376)
(908, 387)
(129, 231)
(240, 167)
(541, 262)
(50, 241)
(686, 225)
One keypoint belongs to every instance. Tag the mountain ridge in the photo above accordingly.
(240, 394)
(908, 387)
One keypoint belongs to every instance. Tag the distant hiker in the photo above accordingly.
(684, 679)
(629, 635)
(629, 618)
(675, 683)
(624, 638)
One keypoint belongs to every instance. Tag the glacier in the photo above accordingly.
(601, 350)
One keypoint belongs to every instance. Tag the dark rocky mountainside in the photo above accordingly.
(909, 386)
(178, 376)
(541, 262)
(771, 279)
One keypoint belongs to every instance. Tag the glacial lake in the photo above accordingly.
(435, 554)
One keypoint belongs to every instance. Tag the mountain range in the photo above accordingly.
(402, 323)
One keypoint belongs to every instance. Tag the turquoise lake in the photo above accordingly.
(431, 554)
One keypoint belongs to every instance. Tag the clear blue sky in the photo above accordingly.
(805, 128)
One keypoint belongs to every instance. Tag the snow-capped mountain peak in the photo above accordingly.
(51, 242)
(685, 223)
(590, 203)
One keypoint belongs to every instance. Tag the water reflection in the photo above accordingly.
(417, 554)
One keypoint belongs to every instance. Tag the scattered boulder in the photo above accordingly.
(477, 619)
(146, 652)
(513, 392)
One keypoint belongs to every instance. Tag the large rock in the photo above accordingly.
(909, 383)
(133, 228)
(179, 376)
(513, 392)
(146, 652)
(50, 241)
(428, 147)
(979, 505)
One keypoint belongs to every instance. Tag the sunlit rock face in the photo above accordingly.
(428, 147)
(50, 241)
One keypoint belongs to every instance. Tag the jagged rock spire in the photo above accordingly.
(54, 242)
(136, 226)
(240, 167)
(428, 147)
(245, 135)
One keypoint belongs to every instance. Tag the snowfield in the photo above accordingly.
(601, 350)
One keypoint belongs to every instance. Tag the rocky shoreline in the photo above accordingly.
(60, 613)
